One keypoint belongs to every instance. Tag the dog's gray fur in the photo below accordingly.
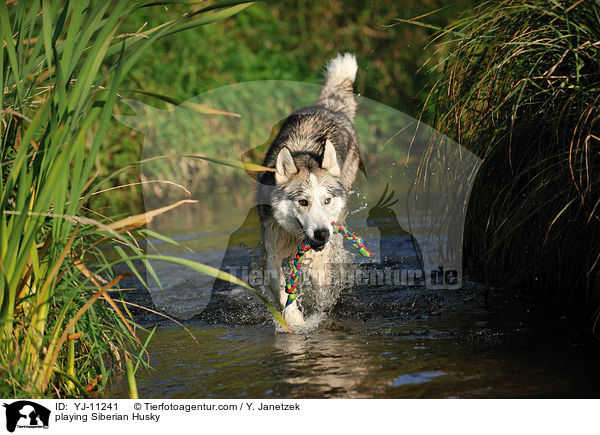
(316, 158)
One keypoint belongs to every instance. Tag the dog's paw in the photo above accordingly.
(293, 317)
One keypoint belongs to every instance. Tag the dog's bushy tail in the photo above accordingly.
(337, 92)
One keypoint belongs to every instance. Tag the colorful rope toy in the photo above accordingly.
(303, 248)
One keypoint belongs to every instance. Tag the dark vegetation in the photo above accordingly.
(521, 90)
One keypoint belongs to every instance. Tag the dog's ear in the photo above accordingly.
(284, 167)
(330, 162)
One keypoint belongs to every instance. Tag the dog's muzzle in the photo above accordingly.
(317, 246)
(321, 237)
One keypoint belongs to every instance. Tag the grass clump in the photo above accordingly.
(521, 89)
(62, 325)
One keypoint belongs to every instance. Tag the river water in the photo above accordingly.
(378, 341)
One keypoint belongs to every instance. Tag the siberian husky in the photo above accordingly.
(315, 156)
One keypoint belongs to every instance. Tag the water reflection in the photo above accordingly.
(328, 364)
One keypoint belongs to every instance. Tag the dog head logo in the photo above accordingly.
(26, 414)
(412, 189)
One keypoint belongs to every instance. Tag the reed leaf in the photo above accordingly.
(62, 63)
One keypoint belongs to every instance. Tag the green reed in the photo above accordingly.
(64, 326)
(521, 89)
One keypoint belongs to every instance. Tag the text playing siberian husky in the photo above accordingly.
(316, 157)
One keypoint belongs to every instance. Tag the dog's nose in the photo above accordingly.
(321, 235)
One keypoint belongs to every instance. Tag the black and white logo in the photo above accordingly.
(25, 414)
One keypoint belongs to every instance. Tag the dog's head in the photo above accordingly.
(309, 194)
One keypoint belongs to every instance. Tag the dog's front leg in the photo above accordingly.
(326, 273)
(272, 273)
(272, 258)
(276, 284)
(291, 314)
(320, 278)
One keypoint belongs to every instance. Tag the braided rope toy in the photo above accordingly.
(304, 247)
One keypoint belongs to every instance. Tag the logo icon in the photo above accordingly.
(26, 414)
(409, 199)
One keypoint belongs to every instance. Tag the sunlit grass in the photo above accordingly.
(63, 326)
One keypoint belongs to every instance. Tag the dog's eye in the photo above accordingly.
(327, 200)
(303, 202)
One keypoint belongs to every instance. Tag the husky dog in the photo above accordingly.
(315, 156)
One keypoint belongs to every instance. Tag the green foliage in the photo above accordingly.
(291, 41)
(61, 65)
(286, 40)
(521, 90)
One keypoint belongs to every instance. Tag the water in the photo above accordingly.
(378, 341)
